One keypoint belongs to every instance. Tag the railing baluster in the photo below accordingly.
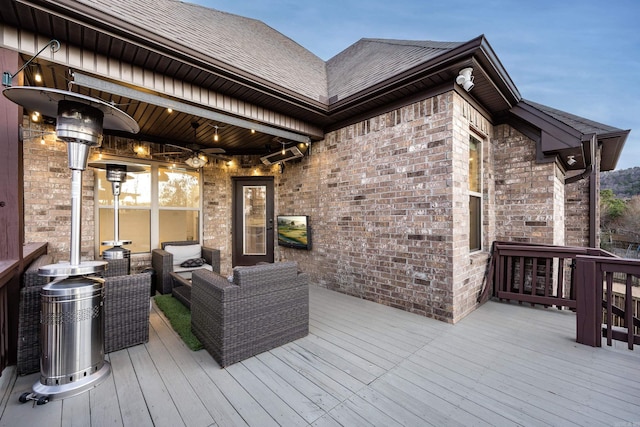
(609, 277)
(560, 289)
(521, 289)
(507, 282)
(628, 310)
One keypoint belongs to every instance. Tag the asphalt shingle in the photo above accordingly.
(243, 43)
(371, 61)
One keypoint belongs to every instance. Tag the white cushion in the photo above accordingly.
(181, 253)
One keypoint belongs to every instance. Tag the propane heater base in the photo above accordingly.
(44, 393)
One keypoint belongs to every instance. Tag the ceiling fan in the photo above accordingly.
(197, 157)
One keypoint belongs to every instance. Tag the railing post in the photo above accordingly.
(588, 304)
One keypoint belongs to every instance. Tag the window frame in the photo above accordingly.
(478, 195)
(154, 206)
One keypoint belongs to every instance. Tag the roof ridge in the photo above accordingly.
(434, 44)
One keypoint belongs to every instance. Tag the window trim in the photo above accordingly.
(154, 207)
(478, 195)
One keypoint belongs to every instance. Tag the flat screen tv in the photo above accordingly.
(294, 231)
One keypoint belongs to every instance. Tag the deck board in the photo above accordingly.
(158, 401)
(75, 411)
(363, 364)
(130, 396)
(300, 403)
(277, 408)
(176, 376)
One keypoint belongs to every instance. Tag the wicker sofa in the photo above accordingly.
(126, 313)
(264, 307)
(163, 263)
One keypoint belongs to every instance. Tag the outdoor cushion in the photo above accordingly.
(181, 253)
(193, 262)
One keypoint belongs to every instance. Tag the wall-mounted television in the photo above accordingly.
(294, 231)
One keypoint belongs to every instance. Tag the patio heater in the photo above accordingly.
(71, 318)
(117, 175)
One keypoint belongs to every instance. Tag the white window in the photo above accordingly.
(157, 205)
(475, 194)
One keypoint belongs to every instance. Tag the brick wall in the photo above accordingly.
(529, 195)
(47, 196)
(469, 267)
(379, 194)
(387, 199)
(385, 194)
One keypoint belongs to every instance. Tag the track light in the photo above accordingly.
(465, 79)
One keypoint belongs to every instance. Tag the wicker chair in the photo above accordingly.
(29, 316)
(126, 314)
(126, 311)
(266, 306)
(162, 262)
(117, 267)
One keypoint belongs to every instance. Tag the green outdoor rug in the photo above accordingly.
(180, 318)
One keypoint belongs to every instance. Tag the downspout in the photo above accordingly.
(593, 195)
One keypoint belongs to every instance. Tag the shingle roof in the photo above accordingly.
(371, 61)
(242, 43)
(582, 125)
(253, 47)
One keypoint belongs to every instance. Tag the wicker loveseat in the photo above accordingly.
(264, 307)
(126, 313)
(164, 262)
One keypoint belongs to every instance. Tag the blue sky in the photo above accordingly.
(582, 57)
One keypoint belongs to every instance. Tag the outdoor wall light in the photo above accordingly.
(571, 160)
(465, 79)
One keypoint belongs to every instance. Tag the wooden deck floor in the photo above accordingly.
(363, 364)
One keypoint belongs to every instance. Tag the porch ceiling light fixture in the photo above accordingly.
(465, 79)
(72, 360)
(195, 162)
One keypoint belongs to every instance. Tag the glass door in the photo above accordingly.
(252, 220)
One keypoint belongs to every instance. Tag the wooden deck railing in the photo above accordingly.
(596, 291)
(537, 274)
(10, 276)
(603, 289)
